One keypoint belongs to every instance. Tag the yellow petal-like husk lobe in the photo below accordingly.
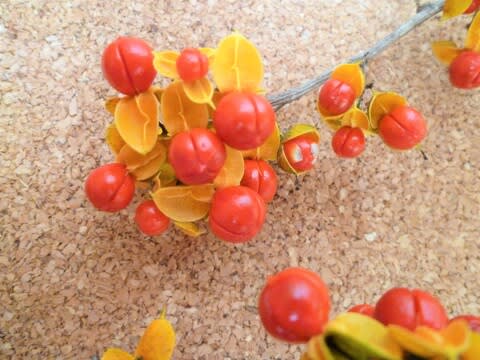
(352, 74)
(445, 51)
(473, 350)
(179, 112)
(357, 118)
(111, 104)
(184, 203)
(382, 104)
(472, 41)
(448, 343)
(113, 139)
(117, 354)
(158, 341)
(165, 62)
(268, 150)
(199, 91)
(232, 171)
(363, 336)
(189, 228)
(136, 120)
(237, 65)
(299, 130)
(453, 8)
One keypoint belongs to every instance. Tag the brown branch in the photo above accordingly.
(423, 14)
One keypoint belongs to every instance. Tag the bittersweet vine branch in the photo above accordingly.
(424, 13)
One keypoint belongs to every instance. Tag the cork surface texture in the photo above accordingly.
(74, 281)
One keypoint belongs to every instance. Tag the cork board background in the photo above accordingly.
(74, 281)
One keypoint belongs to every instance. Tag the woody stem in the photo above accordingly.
(423, 14)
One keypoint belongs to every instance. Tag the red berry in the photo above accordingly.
(410, 308)
(150, 220)
(110, 187)
(196, 156)
(348, 142)
(301, 152)
(237, 214)
(336, 97)
(465, 70)
(364, 309)
(294, 305)
(403, 128)
(127, 64)
(244, 120)
(192, 65)
(261, 178)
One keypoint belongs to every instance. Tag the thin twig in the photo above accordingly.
(423, 14)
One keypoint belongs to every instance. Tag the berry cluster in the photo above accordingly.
(463, 63)
(201, 150)
(294, 306)
(400, 126)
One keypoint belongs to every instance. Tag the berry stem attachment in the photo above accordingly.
(423, 14)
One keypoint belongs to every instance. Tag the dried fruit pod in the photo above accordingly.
(299, 149)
